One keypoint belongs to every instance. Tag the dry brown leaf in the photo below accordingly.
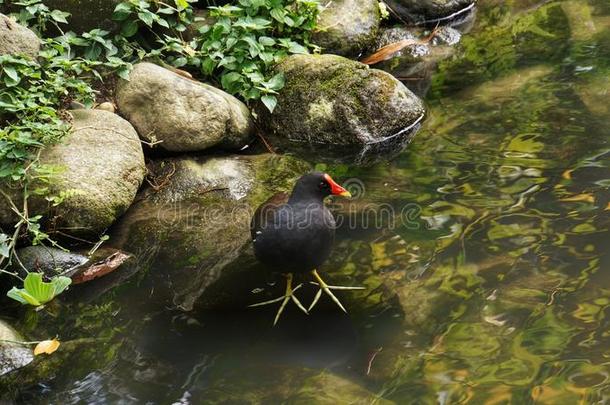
(46, 346)
(101, 268)
(580, 197)
(386, 52)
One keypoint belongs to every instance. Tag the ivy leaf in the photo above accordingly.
(276, 82)
(270, 102)
(59, 16)
(129, 28)
(147, 17)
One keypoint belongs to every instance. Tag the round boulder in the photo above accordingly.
(332, 104)
(97, 170)
(347, 27)
(182, 114)
(16, 39)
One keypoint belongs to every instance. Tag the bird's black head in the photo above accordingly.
(316, 185)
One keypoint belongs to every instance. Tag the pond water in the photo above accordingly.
(487, 282)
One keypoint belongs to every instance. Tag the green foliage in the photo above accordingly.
(238, 46)
(37, 292)
(237, 49)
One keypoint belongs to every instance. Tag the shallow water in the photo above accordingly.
(486, 271)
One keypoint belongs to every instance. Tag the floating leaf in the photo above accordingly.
(37, 292)
(46, 346)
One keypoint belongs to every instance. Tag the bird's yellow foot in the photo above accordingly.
(288, 295)
(327, 289)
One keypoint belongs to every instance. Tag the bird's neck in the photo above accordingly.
(300, 197)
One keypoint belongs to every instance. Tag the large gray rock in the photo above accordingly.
(183, 114)
(347, 27)
(16, 39)
(12, 356)
(194, 222)
(99, 168)
(332, 103)
(431, 11)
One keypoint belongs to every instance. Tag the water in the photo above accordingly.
(491, 287)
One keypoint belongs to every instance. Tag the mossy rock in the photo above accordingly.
(332, 104)
(97, 170)
(195, 222)
(347, 27)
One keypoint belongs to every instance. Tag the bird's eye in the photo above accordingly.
(323, 184)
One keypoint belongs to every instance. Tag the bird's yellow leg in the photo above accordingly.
(288, 295)
(327, 289)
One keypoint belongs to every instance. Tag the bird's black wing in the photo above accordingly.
(266, 212)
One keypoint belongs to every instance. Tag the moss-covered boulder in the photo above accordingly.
(194, 221)
(86, 15)
(49, 260)
(97, 169)
(431, 11)
(183, 114)
(334, 105)
(347, 27)
(16, 39)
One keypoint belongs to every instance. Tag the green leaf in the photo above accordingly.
(270, 102)
(37, 292)
(59, 16)
(129, 28)
(276, 82)
(147, 17)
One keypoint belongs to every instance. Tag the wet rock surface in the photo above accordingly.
(182, 114)
(49, 260)
(16, 39)
(12, 356)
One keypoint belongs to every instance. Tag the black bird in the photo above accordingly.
(294, 234)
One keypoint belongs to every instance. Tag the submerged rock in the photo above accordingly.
(16, 39)
(183, 114)
(86, 15)
(431, 11)
(347, 27)
(195, 221)
(12, 356)
(99, 167)
(341, 108)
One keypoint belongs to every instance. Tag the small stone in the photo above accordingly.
(106, 106)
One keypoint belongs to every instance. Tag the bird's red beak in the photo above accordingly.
(336, 189)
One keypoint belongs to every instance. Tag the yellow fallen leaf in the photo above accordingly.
(580, 197)
(46, 346)
(607, 207)
(567, 174)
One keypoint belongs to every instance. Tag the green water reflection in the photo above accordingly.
(496, 292)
